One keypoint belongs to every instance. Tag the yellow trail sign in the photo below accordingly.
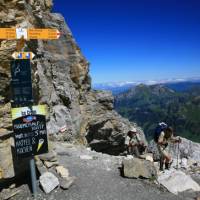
(43, 34)
(18, 33)
(8, 33)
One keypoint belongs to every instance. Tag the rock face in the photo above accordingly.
(135, 168)
(60, 75)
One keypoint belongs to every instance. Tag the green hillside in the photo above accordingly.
(148, 105)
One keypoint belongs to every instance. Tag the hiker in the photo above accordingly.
(164, 135)
(134, 144)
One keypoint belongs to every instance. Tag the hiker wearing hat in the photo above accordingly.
(164, 138)
(134, 144)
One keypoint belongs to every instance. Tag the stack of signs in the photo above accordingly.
(29, 125)
(21, 83)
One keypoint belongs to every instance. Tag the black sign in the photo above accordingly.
(30, 135)
(22, 93)
(21, 83)
(21, 70)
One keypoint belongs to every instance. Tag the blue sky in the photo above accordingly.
(128, 40)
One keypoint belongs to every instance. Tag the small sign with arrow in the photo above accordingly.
(23, 55)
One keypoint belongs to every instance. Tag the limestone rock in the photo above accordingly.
(149, 158)
(63, 172)
(6, 161)
(65, 184)
(177, 181)
(50, 156)
(86, 157)
(40, 166)
(48, 182)
(135, 168)
(50, 164)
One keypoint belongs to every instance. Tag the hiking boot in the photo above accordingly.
(167, 166)
(161, 166)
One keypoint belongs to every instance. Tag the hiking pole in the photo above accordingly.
(177, 156)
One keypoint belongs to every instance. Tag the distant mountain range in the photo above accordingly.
(177, 104)
(176, 84)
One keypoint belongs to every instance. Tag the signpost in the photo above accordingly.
(29, 34)
(29, 123)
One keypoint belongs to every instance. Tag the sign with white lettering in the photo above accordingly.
(21, 70)
(21, 84)
(30, 135)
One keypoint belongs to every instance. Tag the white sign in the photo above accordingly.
(21, 32)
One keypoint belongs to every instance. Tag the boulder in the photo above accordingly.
(65, 184)
(63, 172)
(51, 164)
(177, 181)
(135, 168)
(51, 156)
(48, 182)
(40, 166)
(149, 158)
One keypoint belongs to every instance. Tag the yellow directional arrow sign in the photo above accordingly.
(8, 33)
(23, 55)
(18, 33)
(43, 34)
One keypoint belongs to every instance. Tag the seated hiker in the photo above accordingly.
(134, 144)
(163, 136)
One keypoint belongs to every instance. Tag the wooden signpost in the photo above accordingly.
(29, 122)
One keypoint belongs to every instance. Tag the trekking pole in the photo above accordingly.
(177, 156)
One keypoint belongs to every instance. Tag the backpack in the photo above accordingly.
(161, 127)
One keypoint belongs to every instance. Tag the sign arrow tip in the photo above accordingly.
(13, 55)
(33, 55)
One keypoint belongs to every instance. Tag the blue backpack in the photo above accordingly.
(161, 127)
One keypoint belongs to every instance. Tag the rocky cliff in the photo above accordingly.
(61, 80)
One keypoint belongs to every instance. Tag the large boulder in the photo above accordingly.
(177, 181)
(135, 168)
(48, 182)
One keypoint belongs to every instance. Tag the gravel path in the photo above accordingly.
(98, 178)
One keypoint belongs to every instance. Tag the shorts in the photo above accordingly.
(164, 151)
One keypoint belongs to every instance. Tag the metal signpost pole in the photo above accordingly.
(33, 173)
(33, 176)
